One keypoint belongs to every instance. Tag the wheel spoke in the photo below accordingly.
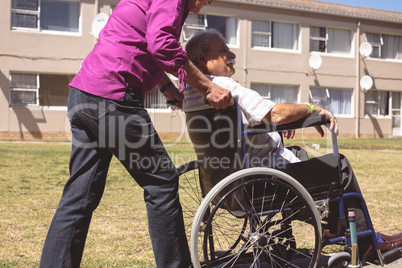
(280, 225)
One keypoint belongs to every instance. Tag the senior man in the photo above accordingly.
(208, 51)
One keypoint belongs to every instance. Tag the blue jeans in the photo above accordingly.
(102, 128)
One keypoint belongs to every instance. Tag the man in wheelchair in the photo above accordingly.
(208, 51)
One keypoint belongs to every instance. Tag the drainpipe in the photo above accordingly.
(245, 49)
(358, 81)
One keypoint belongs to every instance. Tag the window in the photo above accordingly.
(277, 93)
(39, 89)
(330, 40)
(376, 42)
(53, 15)
(112, 7)
(24, 89)
(337, 101)
(396, 109)
(225, 25)
(193, 24)
(274, 34)
(155, 100)
(376, 103)
(385, 46)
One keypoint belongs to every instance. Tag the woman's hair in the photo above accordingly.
(199, 43)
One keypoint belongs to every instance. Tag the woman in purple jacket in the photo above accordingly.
(137, 46)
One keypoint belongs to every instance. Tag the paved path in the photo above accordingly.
(323, 264)
(395, 264)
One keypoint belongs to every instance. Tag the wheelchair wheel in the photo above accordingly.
(340, 260)
(257, 217)
(189, 192)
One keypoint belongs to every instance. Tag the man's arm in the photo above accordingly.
(288, 112)
(258, 110)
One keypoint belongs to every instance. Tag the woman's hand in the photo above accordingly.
(172, 94)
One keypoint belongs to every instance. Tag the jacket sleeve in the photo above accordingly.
(165, 19)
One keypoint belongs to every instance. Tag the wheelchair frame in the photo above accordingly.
(255, 243)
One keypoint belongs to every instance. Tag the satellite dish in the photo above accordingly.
(315, 61)
(365, 49)
(366, 82)
(98, 23)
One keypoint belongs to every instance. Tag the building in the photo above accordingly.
(288, 50)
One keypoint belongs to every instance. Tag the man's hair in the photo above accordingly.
(199, 43)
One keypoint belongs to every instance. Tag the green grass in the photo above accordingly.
(369, 144)
(32, 176)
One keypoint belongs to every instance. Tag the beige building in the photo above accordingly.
(347, 59)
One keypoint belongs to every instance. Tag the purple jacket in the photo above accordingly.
(139, 42)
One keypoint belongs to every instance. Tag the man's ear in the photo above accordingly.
(201, 59)
(202, 62)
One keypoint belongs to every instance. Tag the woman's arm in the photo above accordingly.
(217, 96)
(170, 92)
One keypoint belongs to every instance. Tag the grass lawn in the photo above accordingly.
(32, 176)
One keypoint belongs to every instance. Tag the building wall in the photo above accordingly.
(50, 53)
(39, 52)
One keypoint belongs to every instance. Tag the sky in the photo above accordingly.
(390, 5)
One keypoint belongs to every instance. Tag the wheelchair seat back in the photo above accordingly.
(215, 137)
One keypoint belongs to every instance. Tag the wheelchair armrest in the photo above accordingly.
(309, 121)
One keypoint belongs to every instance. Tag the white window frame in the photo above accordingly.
(395, 113)
(320, 38)
(379, 45)
(204, 26)
(27, 12)
(268, 34)
(326, 39)
(155, 95)
(270, 89)
(378, 103)
(36, 91)
(197, 27)
(271, 36)
(26, 89)
(328, 96)
(29, 87)
(38, 29)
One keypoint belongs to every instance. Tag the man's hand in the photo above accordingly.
(218, 97)
(288, 134)
(329, 116)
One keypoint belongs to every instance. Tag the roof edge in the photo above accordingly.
(326, 12)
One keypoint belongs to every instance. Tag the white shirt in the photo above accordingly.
(264, 149)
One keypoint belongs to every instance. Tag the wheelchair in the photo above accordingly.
(237, 215)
